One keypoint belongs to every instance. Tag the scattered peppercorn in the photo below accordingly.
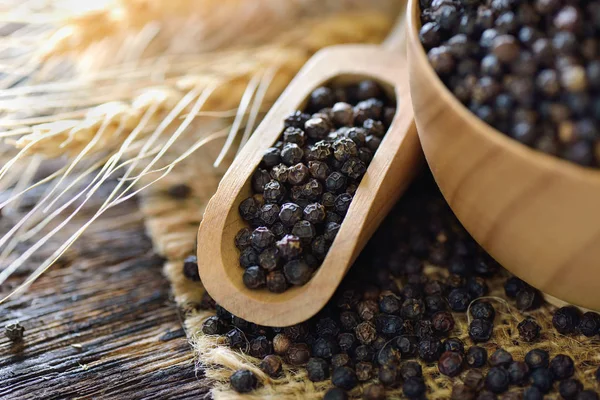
(497, 380)
(566, 319)
(483, 310)
(476, 357)
(243, 381)
(529, 330)
(190, 269)
(589, 324)
(413, 388)
(450, 363)
(542, 379)
(500, 358)
(480, 330)
(14, 332)
(344, 378)
(271, 365)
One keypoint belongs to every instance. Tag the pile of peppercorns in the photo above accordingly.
(306, 182)
(390, 316)
(530, 68)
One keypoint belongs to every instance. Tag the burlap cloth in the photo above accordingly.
(172, 224)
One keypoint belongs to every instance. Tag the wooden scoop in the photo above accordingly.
(392, 168)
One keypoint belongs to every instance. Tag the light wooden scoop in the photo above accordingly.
(391, 170)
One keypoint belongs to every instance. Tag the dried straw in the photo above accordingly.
(151, 124)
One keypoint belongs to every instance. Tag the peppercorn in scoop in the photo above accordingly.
(305, 184)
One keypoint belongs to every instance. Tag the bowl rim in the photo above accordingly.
(544, 160)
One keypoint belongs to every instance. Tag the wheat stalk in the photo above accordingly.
(156, 123)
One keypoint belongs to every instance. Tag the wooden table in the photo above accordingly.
(100, 324)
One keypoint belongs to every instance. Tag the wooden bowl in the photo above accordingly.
(536, 214)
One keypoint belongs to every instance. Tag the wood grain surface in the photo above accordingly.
(100, 324)
(534, 213)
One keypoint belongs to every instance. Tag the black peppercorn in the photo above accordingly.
(320, 151)
(407, 345)
(442, 322)
(497, 380)
(518, 372)
(312, 190)
(589, 324)
(474, 380)
(321, 97)
(344, 378)
(304, 230)
(342, 203)
(190, 268)
(513, 286)
(314, 213)
(243, 238)
(344, 148)
(336, 182)
(570, 388)
(364, 353)
(483, 310)
(298, 354)
(271, 157)
(365, 332)
(566, 319)
(260, 347)
(500, 358)
(271, 365)
(528, 299)
(249, 208)
(317, 128)
(459, 300)
(529, 330)
(454, 344)
(477, 287)
(290, 246)
(274, 192)
(542, 379)
(317, 369)
(254, 277)
(248, 257)
(562, 367)
(354, 168)
(318, 170)
(243, 381)
(213, 326)
(389, 374)
(296, 119)
(276, 282)
(537, 358)
(262, 238)
(430, 350)
(414, 388)
(476, 357)
(450, 363)
(480, 330)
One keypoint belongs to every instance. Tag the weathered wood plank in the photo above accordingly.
(101, 325)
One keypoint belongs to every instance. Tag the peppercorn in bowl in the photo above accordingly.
(508, 140)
